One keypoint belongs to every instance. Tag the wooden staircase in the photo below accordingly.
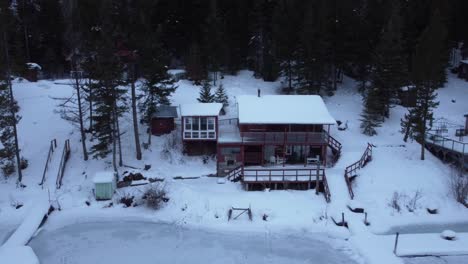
(350, 171)
(335, 147)
(63, 163)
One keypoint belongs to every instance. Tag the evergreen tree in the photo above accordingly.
(388, 74)
(214, 37)
(105, 70)
(390, 64)
(205, 93)
(9, 148)
(313, 63)
(157, 85)
(220, 96)
(370, 117)
(427, 65)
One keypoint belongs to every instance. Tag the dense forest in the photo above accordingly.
(307, 44)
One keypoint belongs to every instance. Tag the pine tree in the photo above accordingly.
(390, 63)
(157, 85)
(9, 149)
(214, 36)
(371, 117)
(205, 93)
(220, 96)
(428, 60)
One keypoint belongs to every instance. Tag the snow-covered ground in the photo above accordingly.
(203, 203)
(139, 242)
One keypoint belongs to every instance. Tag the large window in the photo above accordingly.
(199, 128)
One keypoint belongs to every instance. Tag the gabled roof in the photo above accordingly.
(201, 109)
(165, 111)
(283, 109)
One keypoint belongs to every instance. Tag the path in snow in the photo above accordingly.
(140, 242)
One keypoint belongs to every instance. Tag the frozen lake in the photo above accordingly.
(140, 243)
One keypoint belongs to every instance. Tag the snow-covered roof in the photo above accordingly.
(166, 111)
(33, 65)
(283, 109)
(176, 71)
(201, 109)
(103, 177)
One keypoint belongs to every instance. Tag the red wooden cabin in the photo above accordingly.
(162, 122)
(275, 130)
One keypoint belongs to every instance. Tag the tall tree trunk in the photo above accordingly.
(90, 102)
(13, 114)
(80, 117)
(135, 117)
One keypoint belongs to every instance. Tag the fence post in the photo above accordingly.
(318, 175)
(396, 243)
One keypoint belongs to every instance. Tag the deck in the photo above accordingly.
(448, 149)
(277, 174)
(229, 133)
(278, 177)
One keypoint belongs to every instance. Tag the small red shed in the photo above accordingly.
(162, 122)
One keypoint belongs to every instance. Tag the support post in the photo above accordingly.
(396, 243)
(318, 175)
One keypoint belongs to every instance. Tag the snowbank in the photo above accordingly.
(30, 224)
(18, 255)
(431, 245)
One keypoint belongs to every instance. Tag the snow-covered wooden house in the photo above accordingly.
(200, 127)
(275, 130)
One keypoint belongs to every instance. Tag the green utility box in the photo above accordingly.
(104, 185)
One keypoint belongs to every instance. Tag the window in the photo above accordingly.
(203, 123)
(188, 123)
(196, 123)
(211, 122)
(199, 128)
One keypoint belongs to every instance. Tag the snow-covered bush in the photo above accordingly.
(8, 168)
(170, 147)
(24, 163)
(395, 201)
(412, 203)
(448, 235)
(155, 195)
(459, 187)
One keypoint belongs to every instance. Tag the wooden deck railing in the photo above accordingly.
(53, 145)
(282, 175)
(63, 162)
(351, 169)
(448, 143)
(284, 138)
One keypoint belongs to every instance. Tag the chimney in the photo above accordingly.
(258, 94)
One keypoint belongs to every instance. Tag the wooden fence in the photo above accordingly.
(351, 169)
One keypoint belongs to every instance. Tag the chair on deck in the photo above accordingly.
(312, 160)
(280, 160)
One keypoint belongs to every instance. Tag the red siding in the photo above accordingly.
(161, 126)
